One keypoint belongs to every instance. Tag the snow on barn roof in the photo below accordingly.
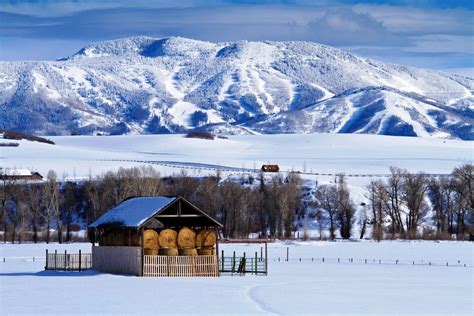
(133, 212)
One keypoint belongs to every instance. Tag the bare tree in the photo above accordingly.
(34, 199)
(51, 191)
(393, 201)
(414, 189)
(326, 199)
(442, 195)
(70, 205)
(345, 208)
(6, 189)
(463, 178)
(377, 196)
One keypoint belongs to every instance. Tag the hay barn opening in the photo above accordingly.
(155, 236)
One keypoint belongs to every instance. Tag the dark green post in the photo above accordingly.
(222, 258)
(46, 266)
(233, 263)
(256, 266)
(80, 260)
(266, 259)
(65, 259)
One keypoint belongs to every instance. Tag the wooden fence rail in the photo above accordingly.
(186, 266)
(68, 261)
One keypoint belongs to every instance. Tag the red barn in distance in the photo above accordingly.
(270, 168)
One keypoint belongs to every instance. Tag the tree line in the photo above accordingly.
(267, 206)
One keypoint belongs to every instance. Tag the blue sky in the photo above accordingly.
(434, 34)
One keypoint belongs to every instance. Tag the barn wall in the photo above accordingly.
(117, 259)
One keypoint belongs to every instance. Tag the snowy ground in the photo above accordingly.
(294, 287)
(353, 154)
(317, 156)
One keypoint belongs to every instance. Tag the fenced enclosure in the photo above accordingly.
(68, 261)
(242, 265)
(255, 264)
(177, 266)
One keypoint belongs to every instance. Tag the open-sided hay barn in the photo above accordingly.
(155, 236)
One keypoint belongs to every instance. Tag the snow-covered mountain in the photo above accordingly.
(169, 85)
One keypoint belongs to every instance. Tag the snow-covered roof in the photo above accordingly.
(15, 172)
(133, 212)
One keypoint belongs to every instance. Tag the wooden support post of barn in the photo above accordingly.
(142, 242)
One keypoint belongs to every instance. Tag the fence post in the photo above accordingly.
(266, 259)
(233, 263)
(65, 259)
(245, 262)
(261, 253)
(46, 265)
(55, 259)
(256, 266)
(80, 260)
(222, 260)
(287, 253)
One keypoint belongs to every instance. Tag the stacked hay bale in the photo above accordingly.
(151, 244)
(205, 241)
(187, 242)
(167, 241)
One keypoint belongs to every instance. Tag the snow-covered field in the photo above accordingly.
(81, 156)
(294, 287)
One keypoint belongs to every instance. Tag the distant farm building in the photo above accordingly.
(19, 174)
(155, 236)
(270, 168)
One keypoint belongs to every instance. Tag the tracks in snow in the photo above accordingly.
(251, 295)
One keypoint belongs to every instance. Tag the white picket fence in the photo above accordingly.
(180, 266)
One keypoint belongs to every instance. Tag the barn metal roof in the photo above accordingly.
(171, 211)
(133, 212)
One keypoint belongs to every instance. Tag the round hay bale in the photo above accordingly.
(186, 238)
(188, 252)
(168, 252)
(150, 239)
(167, 238)
(206, 238)
(150, 252)
(206, 251)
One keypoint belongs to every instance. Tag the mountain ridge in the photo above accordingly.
(171, 85)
